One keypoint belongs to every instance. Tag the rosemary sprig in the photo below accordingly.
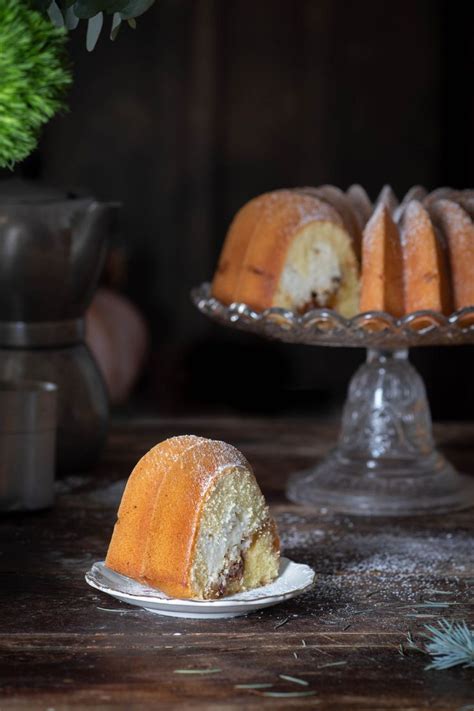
(412, 646)
(281, 623)
(450, 644)
(287, 694)
(439, 592)
(294, 679)
(435, 603)
(332, 664)
(196, 671)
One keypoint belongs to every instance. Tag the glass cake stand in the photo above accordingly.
(385, 462)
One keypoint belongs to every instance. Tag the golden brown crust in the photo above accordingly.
(159, 515)
(466, 200)
(239, 235)
(382, 265)
(458, 229)
(275, 536)
(426, 279)
(259, 240)
(444, 193)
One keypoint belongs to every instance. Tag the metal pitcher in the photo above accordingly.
(52, 247)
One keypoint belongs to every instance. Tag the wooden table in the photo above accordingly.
(64, 645)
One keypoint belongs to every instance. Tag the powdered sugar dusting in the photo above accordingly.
(411, 554)
(285, 211)
(416, 223)
(466, 200)
(335, 198)
(363, 568)
(396, 552)
(202, 457)
(388, 198)
(373, 233)
(456, 224)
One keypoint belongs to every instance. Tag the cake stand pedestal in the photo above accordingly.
(385, 462)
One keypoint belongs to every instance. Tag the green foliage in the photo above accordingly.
(68, 13)
(33, 77)
(451, 644)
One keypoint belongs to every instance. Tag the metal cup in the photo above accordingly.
(28, 422)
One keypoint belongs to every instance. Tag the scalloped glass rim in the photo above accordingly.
(327, 327)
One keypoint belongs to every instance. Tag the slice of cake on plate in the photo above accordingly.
(194, 523)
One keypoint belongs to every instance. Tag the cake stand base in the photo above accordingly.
(385, 463)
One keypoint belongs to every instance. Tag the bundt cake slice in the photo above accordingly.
(425, 267)
(289, 249)
(194, 523)
(382, 264)
(458, 229)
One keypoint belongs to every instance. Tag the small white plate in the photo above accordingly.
(293, 579)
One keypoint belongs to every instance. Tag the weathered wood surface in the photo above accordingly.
(64, 645)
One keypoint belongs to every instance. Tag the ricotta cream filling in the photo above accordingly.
(234, 511)
(320, 271)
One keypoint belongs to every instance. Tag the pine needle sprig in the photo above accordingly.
(33, 77)
(451, 644)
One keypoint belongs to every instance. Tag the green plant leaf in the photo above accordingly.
(70, 12)
(94, 28)
(116, 23)
(135, 8)
(70, 19)
(34, 75)
(55, 15)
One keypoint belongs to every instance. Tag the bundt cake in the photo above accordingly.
(321, 247)
(194, 523)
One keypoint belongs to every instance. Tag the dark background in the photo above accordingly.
(209, 103)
